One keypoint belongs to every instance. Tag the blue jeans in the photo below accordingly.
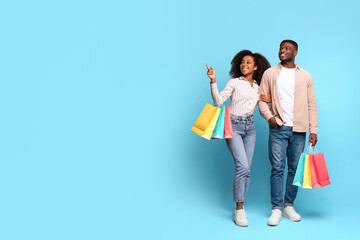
(283, 142)
(242, 147)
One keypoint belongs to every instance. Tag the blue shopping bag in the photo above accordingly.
(299, 175)
(219, 127)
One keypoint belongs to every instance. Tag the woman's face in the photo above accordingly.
(247, 66)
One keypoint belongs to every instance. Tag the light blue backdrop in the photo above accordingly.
(97, 99)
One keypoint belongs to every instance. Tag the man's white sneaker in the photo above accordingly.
(275, 217)
(291, 214)
(240, 218)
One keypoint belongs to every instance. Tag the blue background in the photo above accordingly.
(97, 99)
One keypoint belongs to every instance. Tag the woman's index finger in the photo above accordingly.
(207, 66)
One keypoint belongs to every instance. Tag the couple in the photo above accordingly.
(288, 103)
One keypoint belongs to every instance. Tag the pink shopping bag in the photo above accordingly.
(319, 173)
(228, 132)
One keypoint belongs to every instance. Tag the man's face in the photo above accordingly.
(287, 52)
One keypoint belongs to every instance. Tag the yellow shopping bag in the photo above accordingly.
(205, 124)
(307, 173)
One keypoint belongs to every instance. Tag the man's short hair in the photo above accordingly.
(290, 41)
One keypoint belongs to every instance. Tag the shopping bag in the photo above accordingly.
(319, 173)
(219, 127)
(299, 175)
(228, 132)
(307, 173)
(205, 123)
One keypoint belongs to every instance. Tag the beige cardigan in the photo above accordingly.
(305, 109)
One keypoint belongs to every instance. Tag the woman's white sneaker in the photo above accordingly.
(291, 214)
(275, 217)
(240, 218)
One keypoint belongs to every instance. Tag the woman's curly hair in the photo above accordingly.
(260, 61)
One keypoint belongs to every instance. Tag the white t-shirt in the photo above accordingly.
(286, 83)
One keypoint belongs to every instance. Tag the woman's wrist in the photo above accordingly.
(212, 81)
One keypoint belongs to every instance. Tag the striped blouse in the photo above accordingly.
(243, 97)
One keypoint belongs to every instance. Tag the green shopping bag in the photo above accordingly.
(299, 175)
(219, 127)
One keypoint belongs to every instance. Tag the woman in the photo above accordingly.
(246, 71)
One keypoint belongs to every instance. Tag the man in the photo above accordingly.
(293, 112)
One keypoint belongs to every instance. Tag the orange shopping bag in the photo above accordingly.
(307, 173)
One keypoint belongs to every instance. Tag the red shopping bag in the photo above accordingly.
(319, 173)
(228, 132)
